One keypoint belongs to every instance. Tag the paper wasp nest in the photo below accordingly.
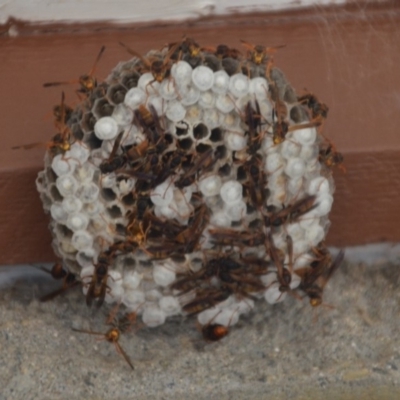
(192, 182)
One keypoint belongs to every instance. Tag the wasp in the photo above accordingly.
(148, 120)
(98, 285)
(256, 266)
(160, 69)
(205, 299)
(257, 182)
(114, 161)
(223, 236)
(217, 267)
(204, 161)
(223, 51)
(284, 275)
(190, 237)
(138, 152)
(58, 272)
(136, 231)
(136, 234)
(258, 53)
(165, 251)
(163, 167)
(87, 81)
(331, 158)
(282, 127)
(241, 284)
(318, 110)
(213, 332)
(187, 47)
(188, 50)
(290, 213)
(143, 203)
(61, 113)
(112, 335)
(254, 122)
(169, 228)
(313, 280)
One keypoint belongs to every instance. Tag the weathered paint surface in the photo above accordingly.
(139, 11)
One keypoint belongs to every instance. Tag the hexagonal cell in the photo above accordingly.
(256, 224)
(99, 92)
(230, 66)
(102, 108)
(202, 147)
(108, 194)
(46, 200)
(216, 135)
(120, 229)
(88, 192)
(116, 93)
(88, 122)
(72, 266)
(51, 175)
(220, 152)
(212, 62)
(93, 141)
(225, 170)
(280, 83)
(115, 211)
(241, 174)
(41, 181)
(178, 258)
(254, 71)
(194, 114)
(55, 194)
(143, 186)
(248, 70)
(185, 144)
(289, 95)
(130, 79)
(74, 116)
(200, 131)
(77, 131)
(145, 263)
(236, 224)
(181, 128)
(128, 200)
(129, 262)
(298, 114)
(250, 209)
(85, 172)
(85, 257)
(64, 232)
(192, 61)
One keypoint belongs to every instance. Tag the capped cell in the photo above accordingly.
(203, 78)
(106, 128)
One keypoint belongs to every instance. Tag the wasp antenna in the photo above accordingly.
(122, 352)
(136, 54)
(97, 60)
(170, 52)
(247, 45)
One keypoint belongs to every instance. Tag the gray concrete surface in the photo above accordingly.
(286, 351)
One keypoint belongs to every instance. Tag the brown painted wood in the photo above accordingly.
(350, 57)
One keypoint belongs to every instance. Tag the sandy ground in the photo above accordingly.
(286, 351)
